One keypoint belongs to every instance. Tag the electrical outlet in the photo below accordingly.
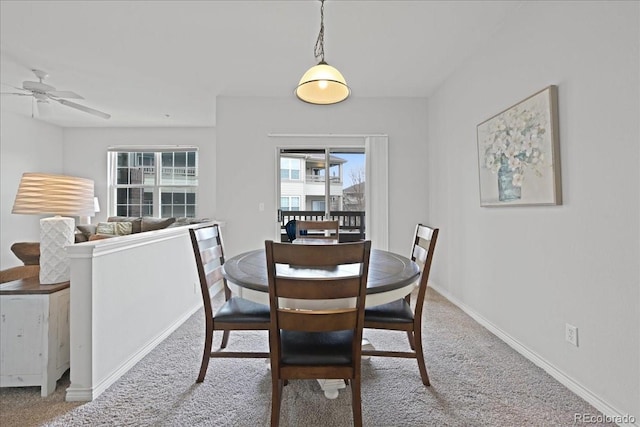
(571, 334)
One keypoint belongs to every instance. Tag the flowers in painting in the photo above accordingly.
(513, 143)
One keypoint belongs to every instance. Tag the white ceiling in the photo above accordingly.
(142, 60)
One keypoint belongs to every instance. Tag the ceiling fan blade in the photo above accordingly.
(12, 86)
(16, 93)
(83, 108)
(64, 94)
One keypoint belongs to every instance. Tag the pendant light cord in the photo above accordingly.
(318, 51)
(322, 84)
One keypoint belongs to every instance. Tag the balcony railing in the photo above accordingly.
(351, 222)
(171, 171)
(321, 178)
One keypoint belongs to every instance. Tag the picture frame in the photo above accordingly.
(519, 155)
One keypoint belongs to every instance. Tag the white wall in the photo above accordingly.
(26, 145)
(125, 300)
(526, 271)
(246, 165)
(81, 144)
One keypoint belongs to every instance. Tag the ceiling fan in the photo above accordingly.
(43, 92)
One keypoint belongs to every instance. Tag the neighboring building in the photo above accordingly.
(353, 197)
(302, 182)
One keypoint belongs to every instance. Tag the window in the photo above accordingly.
(153, 181)
(290, 203)
(289, 169)
(317, 205)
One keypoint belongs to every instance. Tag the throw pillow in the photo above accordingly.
(123, 228)
(136, 222)
(80, 238)
(100, 237)
(106, 228)
(119, 228)
(150, 224)
(87, 229)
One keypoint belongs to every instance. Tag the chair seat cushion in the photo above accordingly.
(316, 348)
(240, 310)
(397, 312)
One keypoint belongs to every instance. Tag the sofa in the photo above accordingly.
(29, 254)
(124, 225)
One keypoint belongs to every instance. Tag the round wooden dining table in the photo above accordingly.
(391, 277)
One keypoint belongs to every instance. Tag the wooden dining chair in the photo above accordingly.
(316, 343)
(398, 315)
(318, 229)
(236, 313)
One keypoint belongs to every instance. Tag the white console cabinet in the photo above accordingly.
(34, 333)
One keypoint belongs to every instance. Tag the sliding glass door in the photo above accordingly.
(323, 183)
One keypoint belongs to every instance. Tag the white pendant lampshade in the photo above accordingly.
(322, 84)
(60, 195)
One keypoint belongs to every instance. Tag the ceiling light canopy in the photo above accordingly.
(322, 84)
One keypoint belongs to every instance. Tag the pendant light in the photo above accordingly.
(322, 83)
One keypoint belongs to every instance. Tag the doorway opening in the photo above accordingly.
(323, 183)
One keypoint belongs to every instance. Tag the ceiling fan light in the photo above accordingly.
(42, 93)
(322, 84)
(37, 86)
(44, 108)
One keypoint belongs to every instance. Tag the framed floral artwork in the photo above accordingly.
(518, 153)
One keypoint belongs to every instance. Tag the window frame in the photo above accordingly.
(158, 187)
(290, 198)
(290, 161)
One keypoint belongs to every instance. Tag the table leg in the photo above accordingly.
(366, 345)
(331, 387)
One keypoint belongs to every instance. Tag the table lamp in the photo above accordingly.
(87, 219)
(40, 193)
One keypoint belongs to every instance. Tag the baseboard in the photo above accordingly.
(78, 394)
(89, 394)
(611, 413)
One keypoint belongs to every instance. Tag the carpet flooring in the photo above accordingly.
(477, 380)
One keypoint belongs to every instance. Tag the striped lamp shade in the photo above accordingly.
(41, 193)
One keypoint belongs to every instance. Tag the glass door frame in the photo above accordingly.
(376, 154)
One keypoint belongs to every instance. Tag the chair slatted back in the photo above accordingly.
(209, 255)
(424, 245)
(337, 271)
(397, 315)
(318, 229)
